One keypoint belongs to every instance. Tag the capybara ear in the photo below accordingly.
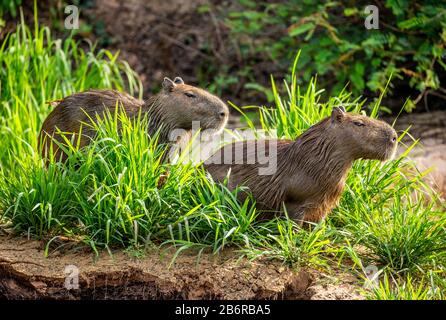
(178, 80)
(337, 114)
(168, 84)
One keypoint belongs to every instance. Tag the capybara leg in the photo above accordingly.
(314, 215)
(296, 212)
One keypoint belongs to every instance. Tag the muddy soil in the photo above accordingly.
(188, 38)
(161, 37)
(25, 273)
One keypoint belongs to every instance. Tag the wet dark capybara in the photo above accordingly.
(311, 170)
(175, 107)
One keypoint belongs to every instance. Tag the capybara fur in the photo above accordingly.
(311, 170)
(176, 106)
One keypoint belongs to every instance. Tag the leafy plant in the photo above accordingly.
(391, 288)
(9, 6)
(409, 44)
(385, 208)
(36, 69)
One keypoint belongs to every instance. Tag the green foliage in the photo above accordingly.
(294, 245)
(387, 215)
(35, 69)
(388, 210)
(9, 6)
(116, 192)
(410, 41)
(391, 288)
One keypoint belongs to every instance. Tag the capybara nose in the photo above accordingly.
(393, 137)
(390, 135)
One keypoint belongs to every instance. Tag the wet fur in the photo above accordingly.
(166, 111)
(311, 171)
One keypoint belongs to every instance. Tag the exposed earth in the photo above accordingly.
(155, 46)
(25, 273)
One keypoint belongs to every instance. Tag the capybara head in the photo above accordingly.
(363, 137)
(185, 104)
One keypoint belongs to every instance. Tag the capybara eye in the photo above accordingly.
(359, 123)
(190, 95)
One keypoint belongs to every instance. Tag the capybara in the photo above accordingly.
(173, 109)
(311, 170)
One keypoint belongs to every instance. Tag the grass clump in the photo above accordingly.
(405, 288)
(294, 245)
(118, 191)
(108, 194)
(36, 68)
(387, 215)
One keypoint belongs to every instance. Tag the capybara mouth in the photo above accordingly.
(389, 153)
(215, 127)
(390, 142)
(209, 132)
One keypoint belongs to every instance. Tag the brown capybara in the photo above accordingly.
(172, 110)
(310, 171)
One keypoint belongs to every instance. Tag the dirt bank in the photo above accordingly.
(26, 274)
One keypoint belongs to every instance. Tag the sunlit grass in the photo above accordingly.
(386, 210)
(35, 69)
(119, 193)
(405, 288)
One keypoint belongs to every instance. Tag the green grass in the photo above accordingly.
(36, 68)
(294, 245)
(408, 288)
(117, 193)
(109, 194)
(387, 216)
